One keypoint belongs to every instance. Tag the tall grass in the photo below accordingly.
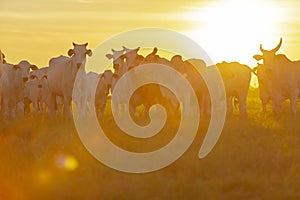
(255, 158)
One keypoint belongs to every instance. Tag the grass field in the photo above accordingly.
(257, 158)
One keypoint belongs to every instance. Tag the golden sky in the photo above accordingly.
(229, 30)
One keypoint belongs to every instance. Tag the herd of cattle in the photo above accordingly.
(24, 86)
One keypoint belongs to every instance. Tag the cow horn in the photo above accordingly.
(154, 51)
(74, 44)
(277, 47)
(86, 44)
(261, 48)
(113, 50)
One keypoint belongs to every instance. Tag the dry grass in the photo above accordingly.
(256, 158)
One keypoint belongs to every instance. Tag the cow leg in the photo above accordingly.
(35, 107)
(67, 105)
(293, 101)
(12, 110)
(26, 106)
(20, 108)
(132, 109)
(243, 105)
(102, 107)
(42, 107)
(83, 106)
(5, 108)
(264, 105)
(91, 109)
(59, 104)
(276, 104)
(52, 105)
(229, 106)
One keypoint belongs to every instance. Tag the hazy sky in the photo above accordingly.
(229, 30)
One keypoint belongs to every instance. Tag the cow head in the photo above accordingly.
(152, 57)
(23, 69)
(268, 56)
(265, 83)
(178, 64)
(118, 62)
(107, 78)
(39, 76)
(131, 56)
(263, 74)
(79, 53)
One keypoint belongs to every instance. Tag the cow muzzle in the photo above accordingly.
(78, 65)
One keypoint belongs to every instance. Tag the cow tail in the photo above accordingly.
(55, 105)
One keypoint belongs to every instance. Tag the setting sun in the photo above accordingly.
(232, 29)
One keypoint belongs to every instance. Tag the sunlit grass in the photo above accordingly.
(257, 158)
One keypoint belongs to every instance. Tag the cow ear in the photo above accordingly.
(45, 77)
(109, 56)
(257, 57)
(89, 52)
(16, 67)
(33, 67)
(70, 52)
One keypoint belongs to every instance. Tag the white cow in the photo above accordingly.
(284, 76)
(36, 91)
(102, 91)
(98, 90)
(62, 73)
(92, 81)
(120, 68)
(265, 85)
(13, 82)
(236, 78)
(80, 95)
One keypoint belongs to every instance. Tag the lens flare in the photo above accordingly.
(67, 162)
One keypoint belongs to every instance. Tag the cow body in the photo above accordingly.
(62, 73)
(13, 82)
(98, 89)
(236, 78)
(37, 91)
